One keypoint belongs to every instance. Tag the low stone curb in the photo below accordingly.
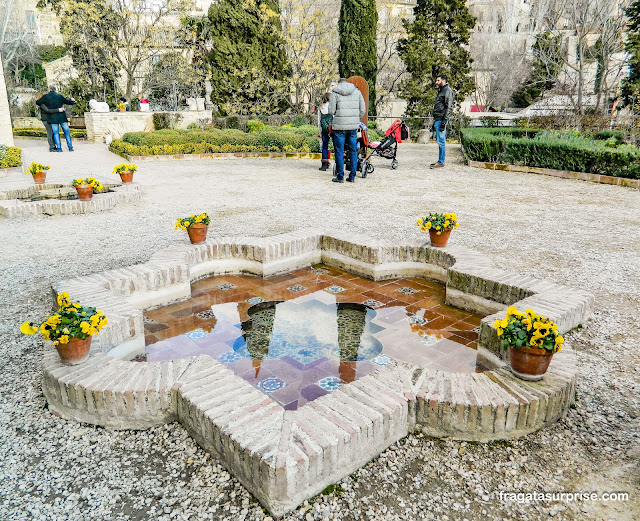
(11, 170)
(13, 208)
(566, 174)
(284, 457)
(222, 155)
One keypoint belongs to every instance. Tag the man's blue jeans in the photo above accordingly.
(55, 128)
(441, 135)
(340, 138)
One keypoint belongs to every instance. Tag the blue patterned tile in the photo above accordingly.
(205, 315)
(254, 300)
(372, 303)
(417, 320)
(227, 286)
(296, 288)
(196, 333)
(229, 357)
(334, 289)
(271, 384)
(382, 360)
(330, 383)
(407, 291)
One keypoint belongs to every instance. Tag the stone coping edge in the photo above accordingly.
(13, 208)
(222, 155)
(12, 170)
(284, 457)
(566, 174)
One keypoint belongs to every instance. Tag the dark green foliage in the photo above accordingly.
(40, 132)
(49, 53)
(549, 149)
(357, 54)
(162, 120)
(547, 64)
(631, 84)
(247, 60)
(436, 43)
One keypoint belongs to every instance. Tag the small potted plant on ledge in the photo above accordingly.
(85, 187)
(126, 172)
(69, 329)
(196, 226)
(38, 171)
(531, 339)
(439, 226)
(122, 107)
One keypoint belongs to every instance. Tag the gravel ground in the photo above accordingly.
(572, 232)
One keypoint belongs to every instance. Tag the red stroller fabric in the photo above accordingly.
(395, 129)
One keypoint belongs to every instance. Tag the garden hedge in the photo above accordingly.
(549, 149)
(40, 132)
(10, 157)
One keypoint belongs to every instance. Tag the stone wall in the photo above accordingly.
(99, 124)
(28, 122)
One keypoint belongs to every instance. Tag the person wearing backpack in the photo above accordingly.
(324, 121)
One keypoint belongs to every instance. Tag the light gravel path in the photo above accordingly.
(577, 233)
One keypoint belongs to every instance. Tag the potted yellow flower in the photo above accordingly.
(126, 172)
(38, 171)
(196, 226)
(69, 329)
(439, 226)
(85, 187)
(122, 107)
(531, 339)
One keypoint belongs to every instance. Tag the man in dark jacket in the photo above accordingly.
(58, 118)
(44, 116)
(441, 112)
(347, 107)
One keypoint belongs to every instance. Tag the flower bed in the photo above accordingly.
(40, 132)
(10, 157)
(549, 149)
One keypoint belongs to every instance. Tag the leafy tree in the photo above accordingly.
(172, 80)
(357, 54)
(436, 43)
(547, 65)
(631, 84)
(248, 62)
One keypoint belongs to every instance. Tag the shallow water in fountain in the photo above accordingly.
(304, 334)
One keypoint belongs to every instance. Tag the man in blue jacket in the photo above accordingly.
(347, 107)
(441, 112)
(54, 101)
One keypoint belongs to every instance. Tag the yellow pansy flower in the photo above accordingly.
(428, 225)
(64, 339)
(84, 327)
(63, 299)
(28, 329)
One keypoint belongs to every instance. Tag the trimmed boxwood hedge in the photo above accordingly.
(40, 132)
(548, 149)
(10, 157)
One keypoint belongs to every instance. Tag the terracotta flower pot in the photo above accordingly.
(85, 192)
(126, 177)
(40, 177)
(75, 352)
(122, 110)
(439, 240)
(197, 233)
(529, 364)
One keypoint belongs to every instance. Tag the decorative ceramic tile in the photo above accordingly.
(382, 360)
(330, 383)
(205, 315)
(229, 357)
(254, 300)
(407, 291)
(372, 303)
(227, 286)
(320, 271)
(296, 288)
(196, 333)
(147, 320)
(421, 321)
(271, 384)
(334, 289)
(429, 340)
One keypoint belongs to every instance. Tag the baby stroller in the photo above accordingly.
(387, 148)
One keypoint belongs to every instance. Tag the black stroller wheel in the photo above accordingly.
(370, 168)
(394, 164)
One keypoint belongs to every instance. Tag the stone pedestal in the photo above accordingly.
(6, 133)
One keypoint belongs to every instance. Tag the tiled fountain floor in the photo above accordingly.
(304, 356)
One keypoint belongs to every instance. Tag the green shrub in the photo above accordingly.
(10, 157)
(162, 120)
(40, 132)
(548, 149)
(254, 125)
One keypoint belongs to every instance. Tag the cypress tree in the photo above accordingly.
(436, 43)
(631, 84)
(357, 52)
(248, 61)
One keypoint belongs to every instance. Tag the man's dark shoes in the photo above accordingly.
(71, 150)
(437, 165)
(324, 167)
(338, 179)
(351, 179)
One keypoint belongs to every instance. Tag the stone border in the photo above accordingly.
(12, 170)
(13, 208)
(284, 457)
(566, 174)
(222, 155)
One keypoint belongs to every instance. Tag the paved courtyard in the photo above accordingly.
(572, 232)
